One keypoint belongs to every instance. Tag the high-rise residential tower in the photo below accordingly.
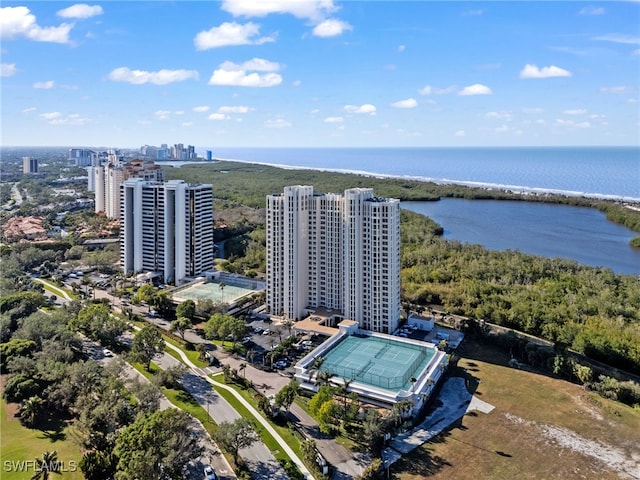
(108, 180)
(166, 228)
(341, 252)
(29, 165)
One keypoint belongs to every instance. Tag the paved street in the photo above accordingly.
(263, 465)
(211, 454)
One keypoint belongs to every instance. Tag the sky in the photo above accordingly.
(320, 73)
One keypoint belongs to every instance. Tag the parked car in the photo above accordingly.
(209, 474)
(107, 353)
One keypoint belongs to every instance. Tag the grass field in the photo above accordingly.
(541, 428)
(23, 444)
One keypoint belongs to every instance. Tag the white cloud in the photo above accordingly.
(161, 77)
(460, 133)
(636, 52)
(502, 129)
(8, 69)
(29, 110)
(561, 122)
(230, 33)
(632, 100)
(80, 10)
(20, 22)
(218, 116)
(502, 115)
(367, 108)
(297, 83)
(44, 85)
(334, 120)
(277, 123)
(258, 64)
(144, 122)
(401, 48)
(532, 71)
(179, 112)
(162, 114)
(331, 28)
(71, 119)
(407, 103)
(473, 13)
(475, 89)
(187, 124)
(428, 90)
(617, 90)
(533, 110)
(202, 108)
(590, 10)
(50, 115)
(578, 111)
(619, 38)
(234, 109)
(314, 10)
(231, 74)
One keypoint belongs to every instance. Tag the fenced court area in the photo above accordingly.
(212, 291)
(380, 362)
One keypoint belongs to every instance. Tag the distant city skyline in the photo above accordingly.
(320, 73)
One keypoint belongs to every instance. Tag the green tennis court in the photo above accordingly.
(380, 362)
(212, 291)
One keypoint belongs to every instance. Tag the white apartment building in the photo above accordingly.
(339, 252)
(166, 228)
(108, 179)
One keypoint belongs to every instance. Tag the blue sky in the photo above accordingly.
(320, 73)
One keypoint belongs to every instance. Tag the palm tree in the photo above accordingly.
(315, 366)
(29, 410)
(251, 353)
(242, 367)
(48, 464)
(324, 377)
(343, 391)
(221, 287)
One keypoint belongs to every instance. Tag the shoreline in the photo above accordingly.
(515, 189)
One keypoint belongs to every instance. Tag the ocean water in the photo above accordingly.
(603, 172)
(580, 234)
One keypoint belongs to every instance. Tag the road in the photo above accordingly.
(263, 464)
(210, 455)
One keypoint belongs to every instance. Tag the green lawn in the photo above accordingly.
(23, 444)
(191, 354)
(541, 427)
(50, 287)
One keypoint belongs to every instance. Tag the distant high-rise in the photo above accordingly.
(109, 178)
(166, 228)
(341, 252)
(209, 155)
(29, 165)
(82, 157)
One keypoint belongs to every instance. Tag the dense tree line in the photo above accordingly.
(245, 184)
(593, 310)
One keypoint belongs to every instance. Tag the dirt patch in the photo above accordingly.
(628, 466)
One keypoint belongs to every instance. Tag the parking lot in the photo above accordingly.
(265, 335)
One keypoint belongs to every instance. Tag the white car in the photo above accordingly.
(209, 474)
(107, 353)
